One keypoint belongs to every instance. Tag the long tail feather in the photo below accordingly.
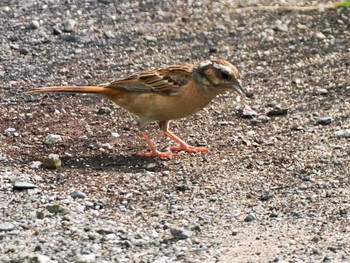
(72, 89)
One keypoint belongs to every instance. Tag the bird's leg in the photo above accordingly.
(154, 151)
(164, 126)
(183, 145)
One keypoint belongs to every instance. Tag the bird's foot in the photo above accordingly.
(189, 149)
(163, 155)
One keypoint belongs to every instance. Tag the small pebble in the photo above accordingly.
(6, 227)
(53, 161)
(11, 249)
(38, 248)
(225, 123)
(104, 111)
(221, 27)
(213, 50)
(338, 162)
(342, 134)
(321, 91)
(52, 139)
(326, 259)
(106, 231)
(90, 258)
(111, 236)
(77, 194)
(115, 135)
(34, 25)
(320, 35)
(40, 215)
(39, 258)
(235, 232)
(180, 233)
(24, 51)
(263, 119)
(55, 209)
(249, 94)
(69, 25)
(11, 132)
(196, 227)
(251, 133)
(107, 146)
(23, 186)
(106, 2)
(296, 81)
(182, 187)
(315, 251)
(151, 39)
(250, 217)
(130, 49)
(248, 111)
(273, 215)
(14, 46)
(265, 195)
(56, 31)
(280, 26)
(85, 251)
(94, 145)
(315, 239)
(277, 112)
(297, 128)
(333, 249)
(151, 166)
(324, 120)
(297, 214)
(35, 164)
(38, 178)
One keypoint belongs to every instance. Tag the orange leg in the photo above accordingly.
(154, 151)
(183, 145)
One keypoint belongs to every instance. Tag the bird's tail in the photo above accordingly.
(72, 89)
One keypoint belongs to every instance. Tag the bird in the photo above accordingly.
(164, 94)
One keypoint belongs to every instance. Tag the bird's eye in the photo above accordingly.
(225, 76)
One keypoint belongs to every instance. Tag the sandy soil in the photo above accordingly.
(281, 157)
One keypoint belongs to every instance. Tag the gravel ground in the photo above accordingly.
(275, 185)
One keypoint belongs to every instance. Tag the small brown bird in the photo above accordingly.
(165, 94)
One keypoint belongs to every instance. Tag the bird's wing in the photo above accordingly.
(166, 81)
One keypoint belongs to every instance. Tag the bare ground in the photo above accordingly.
(288, 171)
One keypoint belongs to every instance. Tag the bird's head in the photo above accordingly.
(219, 76)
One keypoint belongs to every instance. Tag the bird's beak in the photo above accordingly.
(239, 87)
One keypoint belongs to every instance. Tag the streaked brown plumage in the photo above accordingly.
(165, 94)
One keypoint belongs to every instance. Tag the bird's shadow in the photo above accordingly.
(120, 163)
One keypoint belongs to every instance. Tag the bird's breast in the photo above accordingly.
(158, 107)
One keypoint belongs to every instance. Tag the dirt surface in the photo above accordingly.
(275, 185)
